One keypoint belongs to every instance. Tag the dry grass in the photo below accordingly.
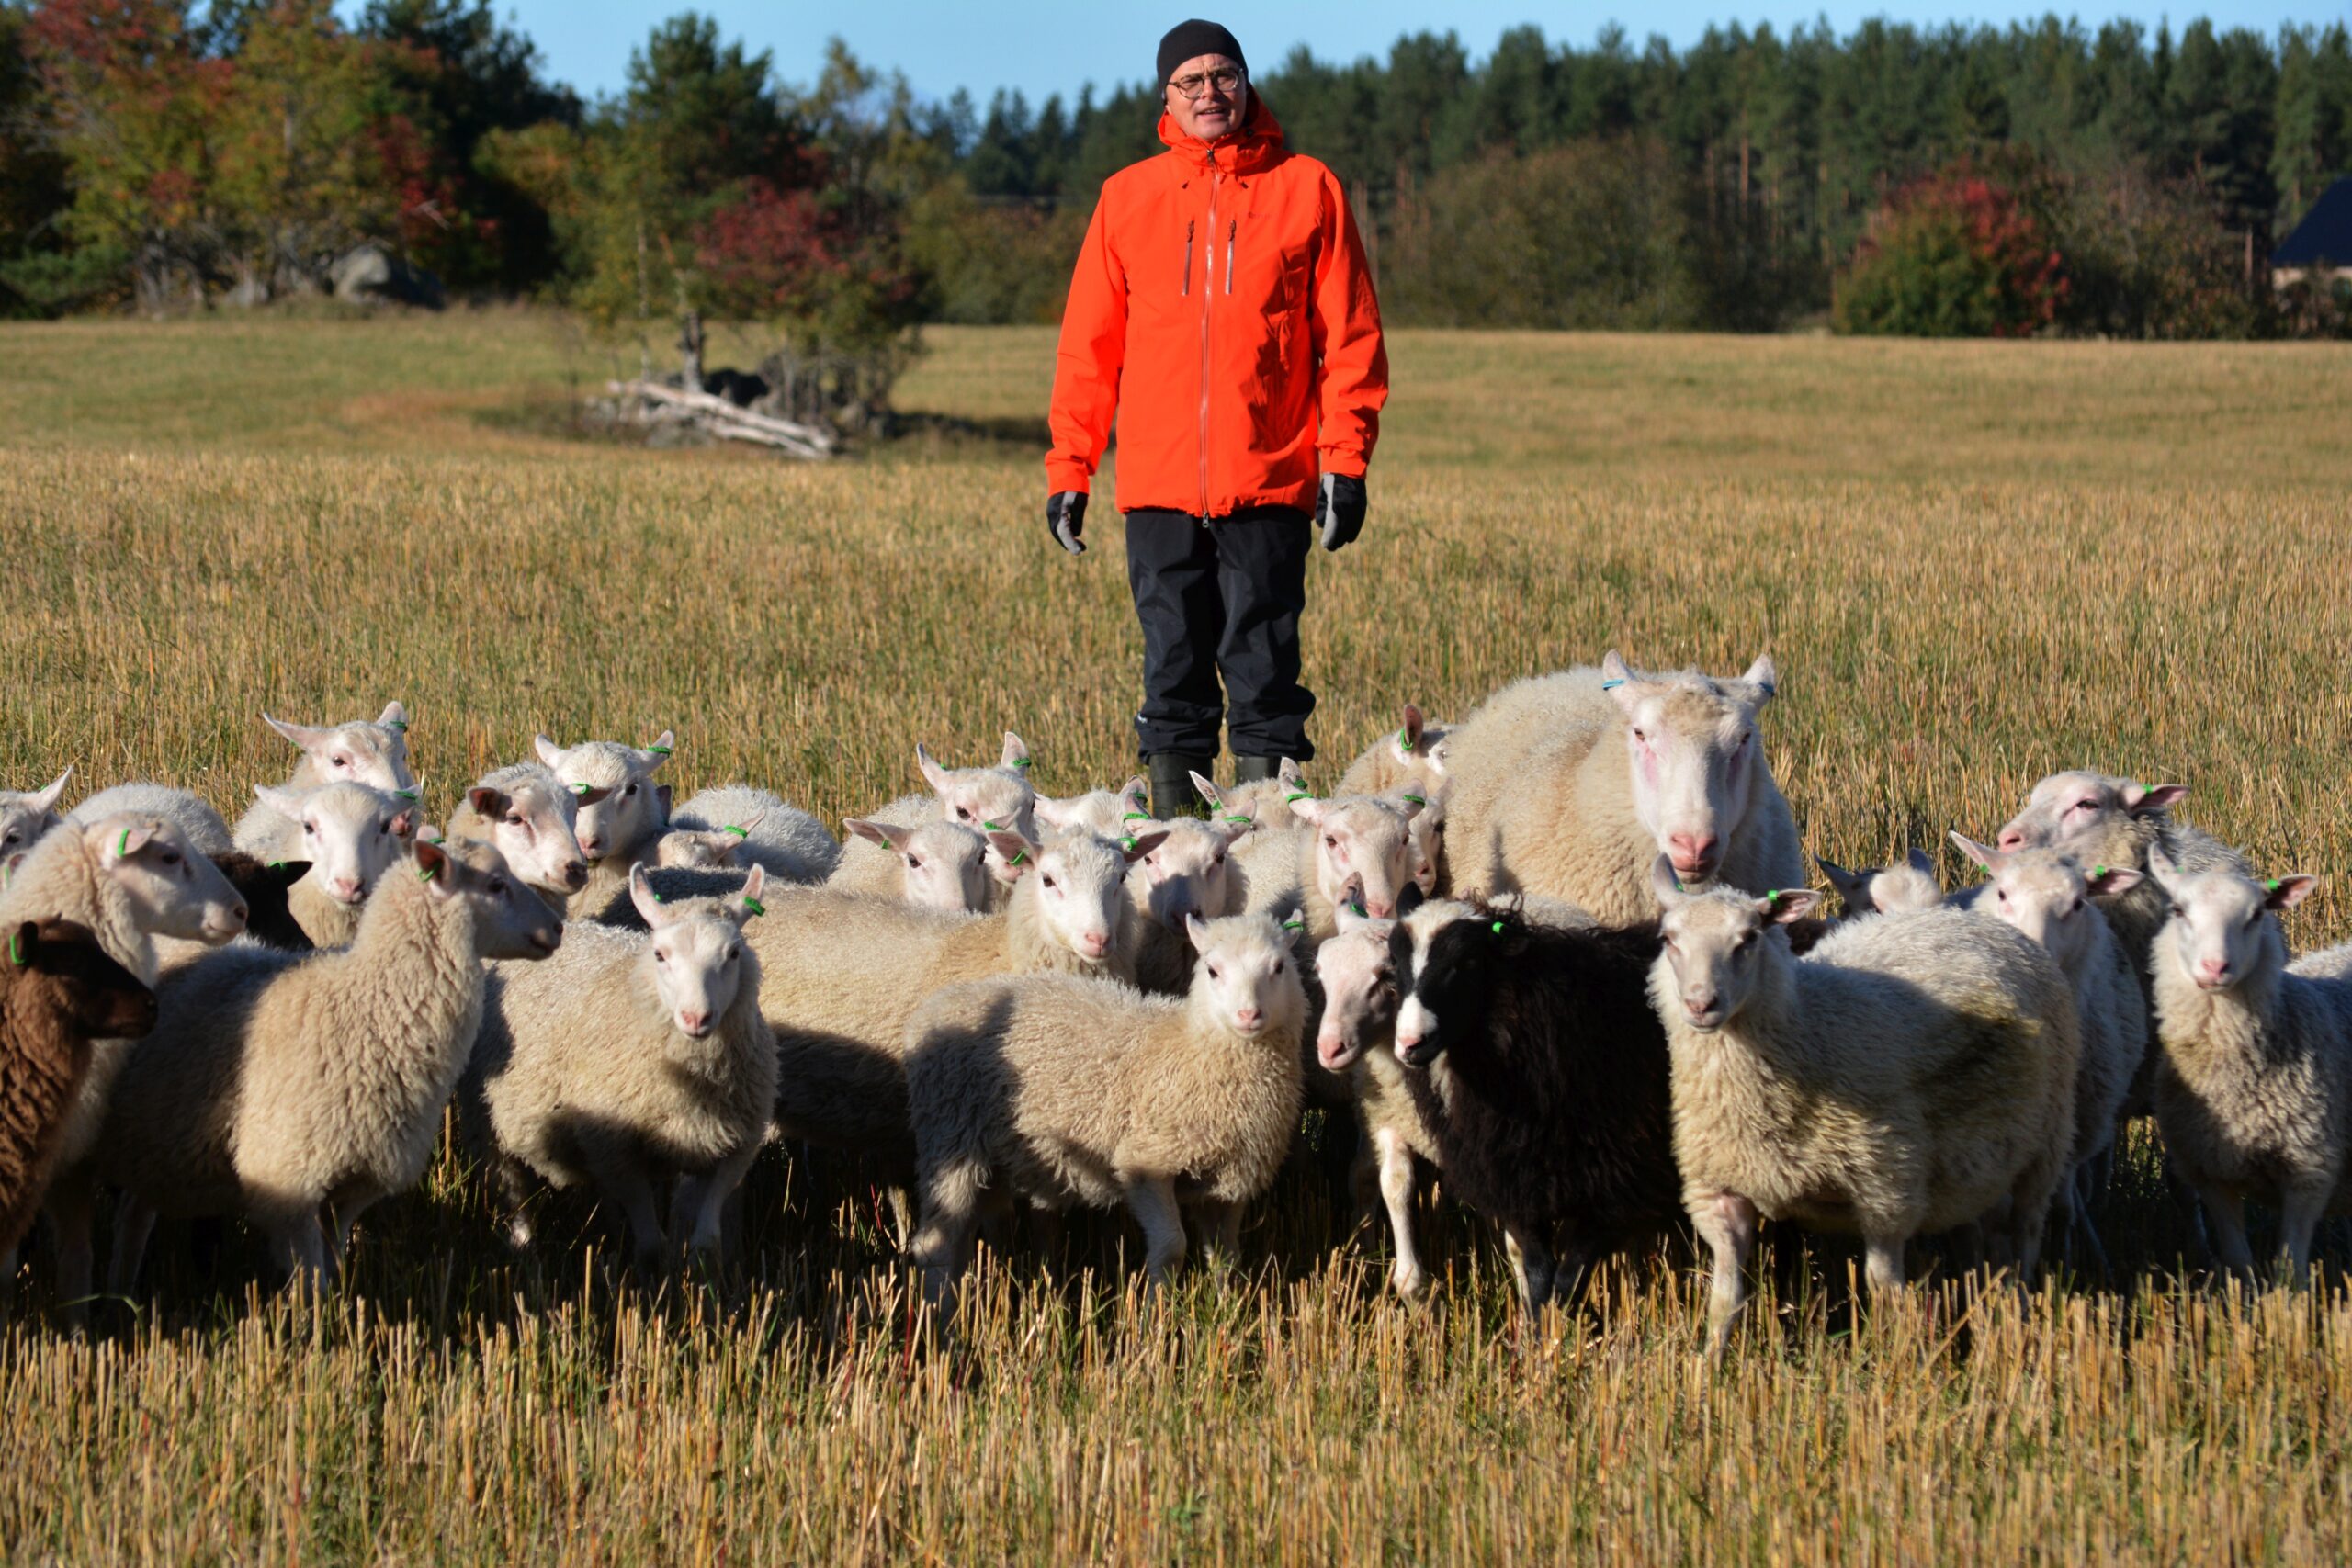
(1974, 563)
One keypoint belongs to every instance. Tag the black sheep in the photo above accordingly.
(1555, 1119)
(263, 885)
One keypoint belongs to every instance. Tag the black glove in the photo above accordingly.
(1338, 509)
(1065, 516)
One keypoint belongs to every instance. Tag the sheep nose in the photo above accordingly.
(2213, 971)
(2010, 839)
(592, 846)
(1693, 851)
(1095, 943)
(343, 887)
(1700, 1007)
(575, 874)
(239, 915)
(1249, 1018)
(694, 1023)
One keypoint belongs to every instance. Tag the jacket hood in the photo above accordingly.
(1258, 142)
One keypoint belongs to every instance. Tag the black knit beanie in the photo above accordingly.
(1190, 41)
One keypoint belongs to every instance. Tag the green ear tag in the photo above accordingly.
(657, 751)
(122, 846)
(427, 872)
(16, 949)
(1018, 856)
(755, 906)
(1771, 896)
(274, 865)
(398, 724)
(1358, 908)
(1021, 762)
(2098, 870)
(2271, 885)
(580, 789)
(1245, 821)
(1294, 925)
(1405, 742)
(738, 832)
(1301, 795)
(1416, 800)
(991, 827)
(405, 794)
(1128, 844)
(1136, 816)
(1497, 928)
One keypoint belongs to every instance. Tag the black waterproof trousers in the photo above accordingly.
(1221, 598)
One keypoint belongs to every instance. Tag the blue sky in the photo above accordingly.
(1057, 45)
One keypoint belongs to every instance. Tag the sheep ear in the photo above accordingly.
(753, 820)
(1347, 917)
(308, 737)
(393, 717)
(404, 823)
(286, 873)
(24, 944)
(1409, 738)
(1308, 810)
(650, 908)
(489, 804)
(1196, 931)
(890, 835)
(1763, 677)
(1784, 905)
(1918, 860)
(1409, 897)
(549, 752)
(287, 803)
(2286, 892)
(1292, 775)
(1011, 848)
(589, 794)
(1666, 884)
(1207, 789)
(1136, 793)
(2160, 867)
(1141, 844)
(746, 904)
(1016, 752)
(933, 774)
(1985, 855)
(1411, 802)
(437, 866)
(47, 799)
(659, 752)
(662, 796)
(1848, 885)
(2109, 880)
(1231, 827)
(2152, 797)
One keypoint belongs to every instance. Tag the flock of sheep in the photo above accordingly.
(1562, 954)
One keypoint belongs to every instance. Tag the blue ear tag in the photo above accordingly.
(1611, 685)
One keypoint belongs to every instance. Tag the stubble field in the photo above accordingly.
(1974, 563)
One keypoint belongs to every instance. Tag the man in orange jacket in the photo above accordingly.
(1222, 310)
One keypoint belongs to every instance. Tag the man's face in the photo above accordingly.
(1207, 95)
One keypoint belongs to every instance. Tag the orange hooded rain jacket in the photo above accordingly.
(1221, 309)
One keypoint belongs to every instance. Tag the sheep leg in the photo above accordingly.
(1397, 1192)
(686, 1203)
(343, 1219)
(624, 1181)
(714, 1190)
(134, 1221)
(2226, 1220)
(1726, 1222)
(943, 1242)
(1219, 1225)
(1882, 1261)
(2300, 1210)
(71, 1198)
(297, 1244)
(1152, 1200)
(1531, 1261)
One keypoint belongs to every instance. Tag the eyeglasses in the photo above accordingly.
(1227, 82)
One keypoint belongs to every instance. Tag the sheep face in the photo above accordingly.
(1188, 874)
(172, 891)
(942, 861)
(1247, 978)
(1441, 956)
(631, 810)
(534, 826)
(100, 997)
(1358, 980)
(1425, 841)
(509, 919)
(1716, 942)
(696, 951)
(2096, 817)
(358, 752)
(983, 799)
(2221, 931)
(686, 849)
(350, 833)
(1693, 752)
(25, 816)
(2046, 896)
(1363, 842)
(1081, 888)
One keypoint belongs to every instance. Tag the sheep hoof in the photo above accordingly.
(1411, 1284)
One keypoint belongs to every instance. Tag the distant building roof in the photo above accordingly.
(2324, 234)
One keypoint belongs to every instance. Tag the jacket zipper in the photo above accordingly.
(1206, 294)
(1187, 291)
(1232, 225)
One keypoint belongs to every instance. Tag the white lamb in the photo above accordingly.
(1571, 785)
(1908, 1076)
(533, 818)
(768, 832)
(1109, 813)
(983, 799)
(938, 865)
(296, 1088)
(630, 1058)
(1356, 1035)
(133, 881)
(1414, 758)
(26, 815)
(1886, 889)
(1079, 1093)
(1191, 872)
(618, 828)
(2254, 1083)
(2054, 901)
(1360, 842)
(356, 752)
(351, 834)
(207, 830)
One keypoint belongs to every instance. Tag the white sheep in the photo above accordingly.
(358, 752)
(618, 828)
(1413, 758)
(2050, 898)
(1363, 842)
(1356, 1035)
(293, 1087)
(205, 830)
(1111, 812)
(1191, 872)
(2254, 1083)
(134, 882)
(1571, 785)
(351, 834)
(936, 865)
(767, 832)
(26, 815)
(1909, 1076)
(1267, 859)
(533, 818)
(1886, 889)
(1079, 1092)
(629, 1058)
(983, 799)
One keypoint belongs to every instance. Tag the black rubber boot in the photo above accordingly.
(1255, 769)
(1172, 794)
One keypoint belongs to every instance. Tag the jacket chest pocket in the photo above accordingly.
(1259, 267)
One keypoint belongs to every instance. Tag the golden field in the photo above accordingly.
(1974, 563)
